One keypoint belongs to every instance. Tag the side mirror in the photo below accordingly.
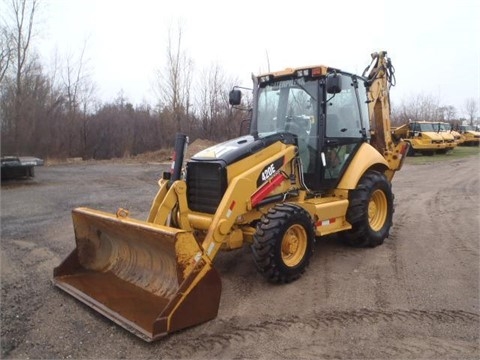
(235, 97)
(334, 84)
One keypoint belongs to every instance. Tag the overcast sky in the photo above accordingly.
(434, 45)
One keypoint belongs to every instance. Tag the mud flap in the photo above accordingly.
(150, 279)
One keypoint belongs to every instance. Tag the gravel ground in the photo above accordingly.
(414, 297)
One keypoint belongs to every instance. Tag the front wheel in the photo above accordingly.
(370, 211)
(283, 243)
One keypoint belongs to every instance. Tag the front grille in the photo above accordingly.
(206, 184)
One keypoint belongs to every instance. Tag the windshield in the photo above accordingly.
(467, 128)
(287, 105)
(442, 127)
(429, 127)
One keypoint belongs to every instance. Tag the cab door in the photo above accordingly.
(343, 129)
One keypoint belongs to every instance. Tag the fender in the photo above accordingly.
(367, 157)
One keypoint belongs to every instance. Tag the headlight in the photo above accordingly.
(304, 72)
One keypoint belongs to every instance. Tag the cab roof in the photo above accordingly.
(315, 70)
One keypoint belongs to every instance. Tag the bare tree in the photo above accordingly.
(174, 82)
(417, 108)
(6, 50)
(78, 92)
(208, 102)
(471, 109)
(217, 120)
(447, 113)
(23, 12)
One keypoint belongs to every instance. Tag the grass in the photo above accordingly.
(457, 153)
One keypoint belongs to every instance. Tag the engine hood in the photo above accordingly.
(432, 135)
(234, 150)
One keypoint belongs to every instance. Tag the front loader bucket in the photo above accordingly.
(148, 278)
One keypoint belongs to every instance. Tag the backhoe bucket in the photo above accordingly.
(148, 278)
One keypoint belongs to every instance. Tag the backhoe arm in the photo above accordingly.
(380, 75)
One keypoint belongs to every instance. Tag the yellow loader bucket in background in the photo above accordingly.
(148, 278)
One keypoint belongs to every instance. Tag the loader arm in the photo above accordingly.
(239, 199)
(167, 200)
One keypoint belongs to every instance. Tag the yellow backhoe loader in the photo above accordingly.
(319, 159)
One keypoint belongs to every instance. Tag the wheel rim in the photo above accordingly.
(377, 210)
(294, 245)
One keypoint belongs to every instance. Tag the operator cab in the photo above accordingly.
(328, 114)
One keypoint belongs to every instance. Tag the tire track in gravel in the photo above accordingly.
(236, 331)
(25, 263)
(406, 348)
(463, 193)
(437, 206)
(414, 297)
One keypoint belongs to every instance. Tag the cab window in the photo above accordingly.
(343, 117)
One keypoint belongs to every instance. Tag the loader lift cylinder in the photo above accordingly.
(181, 142)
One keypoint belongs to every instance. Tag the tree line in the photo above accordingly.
(55, 113)
(423, 107)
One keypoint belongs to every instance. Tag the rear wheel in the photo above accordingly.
(370, 211)
(283, 243)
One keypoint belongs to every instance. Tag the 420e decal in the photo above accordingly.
(269, 170)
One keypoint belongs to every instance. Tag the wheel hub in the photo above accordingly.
(377, 210)
(294, 245)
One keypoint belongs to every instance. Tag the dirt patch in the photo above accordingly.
(165, 155)
(161, 155)
(414, 297)
(157, 156)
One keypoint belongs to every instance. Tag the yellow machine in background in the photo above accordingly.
(423, 137)
(319, 159)
(470, 136)
(459, 138)
(448, 137)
